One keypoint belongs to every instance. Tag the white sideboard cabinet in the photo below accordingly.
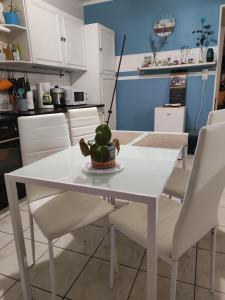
(99, 80)
(170, 119)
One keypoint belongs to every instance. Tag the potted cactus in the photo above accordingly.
(101, 149)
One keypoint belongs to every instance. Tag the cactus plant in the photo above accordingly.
(101, 149)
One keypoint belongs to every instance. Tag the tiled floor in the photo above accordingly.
(82, 266)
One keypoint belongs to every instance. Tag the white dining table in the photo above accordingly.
(146, 171)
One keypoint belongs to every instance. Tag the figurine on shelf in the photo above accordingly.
(2, 18)
(147, 62)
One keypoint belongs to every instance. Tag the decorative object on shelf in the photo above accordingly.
(156, 47)
(2, 18)
(184, 53)
(165, 25)
(147, 62)
(101, 149)
(178, 86)
(204, 38)
(210, 55)
(12, 14)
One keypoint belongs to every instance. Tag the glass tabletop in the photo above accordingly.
(145, 172)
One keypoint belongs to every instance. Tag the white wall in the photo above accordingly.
(73, 7)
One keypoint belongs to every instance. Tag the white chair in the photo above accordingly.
(181, 226)
(55, 212)
(82, 123)
(177, 184)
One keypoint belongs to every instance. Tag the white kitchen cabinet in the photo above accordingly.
(107, 85)
(99, 80)
(107, 50)
(45, 26)
(57, 38)
(170, 119)
(74, 43)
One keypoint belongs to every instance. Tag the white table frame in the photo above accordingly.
(152, 210)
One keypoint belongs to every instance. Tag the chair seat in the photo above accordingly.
(177, 184)
(132, 221)
(62, 213)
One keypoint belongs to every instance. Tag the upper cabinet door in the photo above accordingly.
(74, 43)
(45, 25)
(107, 50)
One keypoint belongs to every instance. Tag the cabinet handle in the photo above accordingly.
(101, 49)
(62, 38)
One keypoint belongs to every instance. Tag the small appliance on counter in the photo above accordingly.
(44, 95)
(59, 96)
(76, 97)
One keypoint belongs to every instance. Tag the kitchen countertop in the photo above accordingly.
(12, 115)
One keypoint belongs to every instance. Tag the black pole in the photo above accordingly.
(117, 75)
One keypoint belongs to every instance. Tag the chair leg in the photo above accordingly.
(173, 279)
(52, 269)
(112, 256)
(106, 224)
(212, 259)
(32, 237)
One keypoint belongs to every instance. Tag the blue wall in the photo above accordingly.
(136, 99)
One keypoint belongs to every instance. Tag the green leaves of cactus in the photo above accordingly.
(99, 153)
(103, 135)
(84, 148)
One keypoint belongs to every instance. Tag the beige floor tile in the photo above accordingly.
(222, 200)
(8, 258)
(84, 240)
(15, 293)
(24, 206)
(5, 284)
(6, 225)
(203, 270)
(129, 252)
(93, 283)
(100, 222)
(4, 213)
(221, 217)
(220, 240)
(38, 235)
(186, 269)
(184, 291)
(68, 265)
(5, 239)
(204, 294)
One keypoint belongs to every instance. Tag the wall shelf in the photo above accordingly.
(29, 66)
(199, 66)
(15, 29)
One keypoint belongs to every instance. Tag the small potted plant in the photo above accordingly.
(204, 37)
(12, 14)
(101, 149)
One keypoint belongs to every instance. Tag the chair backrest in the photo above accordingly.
(82, 123)
(41, 136)
(216, 116)
(200, 206)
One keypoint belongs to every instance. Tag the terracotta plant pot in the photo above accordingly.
(111, 163)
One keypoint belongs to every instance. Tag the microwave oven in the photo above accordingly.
(76, 97)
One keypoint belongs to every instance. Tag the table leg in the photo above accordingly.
(152, 250)
(18, 236)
